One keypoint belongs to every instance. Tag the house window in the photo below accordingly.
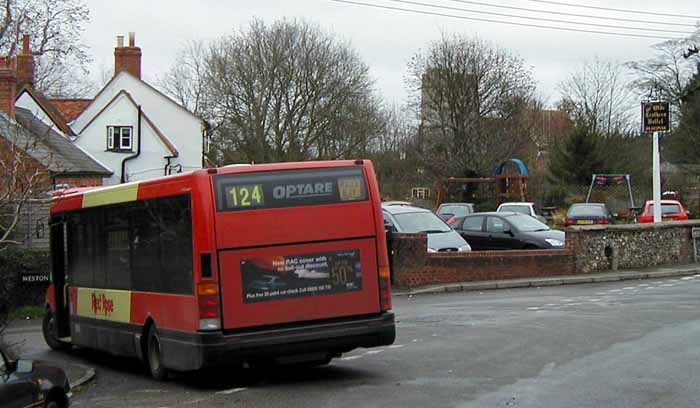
(120, 138)
(420, 193)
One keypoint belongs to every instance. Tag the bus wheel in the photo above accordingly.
(154, 358)
(48, 327)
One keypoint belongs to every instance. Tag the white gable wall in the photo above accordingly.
(149, 164)
(27, 102)
(183, 129)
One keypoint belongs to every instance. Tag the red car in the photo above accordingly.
(671, 210)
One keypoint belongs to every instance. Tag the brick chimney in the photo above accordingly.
(25, 65)
(127, 58)
(8, 86)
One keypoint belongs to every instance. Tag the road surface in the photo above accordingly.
(621, 344)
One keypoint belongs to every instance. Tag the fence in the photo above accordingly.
(32, 230)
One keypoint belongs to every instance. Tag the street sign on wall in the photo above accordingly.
(656, 117)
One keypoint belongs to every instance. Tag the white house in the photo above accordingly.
(129, 126)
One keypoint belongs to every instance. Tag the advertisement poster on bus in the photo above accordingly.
(291, 276)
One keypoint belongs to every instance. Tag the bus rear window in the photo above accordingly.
(289, 188)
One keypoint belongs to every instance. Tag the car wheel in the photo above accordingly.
(154, 357)
(48, 327)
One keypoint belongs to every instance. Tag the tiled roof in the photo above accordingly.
(47, 146)
(70, 108)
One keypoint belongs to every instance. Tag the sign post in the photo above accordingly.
(656, 118)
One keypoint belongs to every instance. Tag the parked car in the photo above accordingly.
(404, 218)
(671, 210)
(588, 213)
(387, 203)
(507, 230)
(26, 383)
(530, 209)
(449, 212)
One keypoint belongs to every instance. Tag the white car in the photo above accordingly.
(530, 209)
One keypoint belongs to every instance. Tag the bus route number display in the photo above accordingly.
(246, 196)
(290, 188)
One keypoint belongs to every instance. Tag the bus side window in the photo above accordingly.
(117, 274)
(145, 246)
(176, 245)
(161, 246)
(82, 244)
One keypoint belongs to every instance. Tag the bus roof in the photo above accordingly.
(85, 197)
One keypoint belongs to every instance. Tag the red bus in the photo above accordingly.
(247, 263)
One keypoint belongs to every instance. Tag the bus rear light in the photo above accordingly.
(384, 288)
(208, 288)
(209, 307)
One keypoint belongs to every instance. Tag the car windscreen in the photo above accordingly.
(456, 210)
(666, 208)
(587, 211)
(421, 222)
(525, 223)
(522, 209)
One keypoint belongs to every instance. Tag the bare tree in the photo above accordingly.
(597, 97)
(279, 92)
(666, 74)
(186, 80)
(393, 154)
(54, 27)
(471, 96)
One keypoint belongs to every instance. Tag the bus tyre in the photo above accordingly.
(48, 327)
(52, 404)
(154, 358)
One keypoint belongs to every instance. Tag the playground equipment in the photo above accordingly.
(499, 187)
(604, 180)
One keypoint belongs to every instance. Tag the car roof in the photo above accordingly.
(403, 209)
(498, 214)
(397, 202)
(588, 204)
(456, 204)
(517, 203)
(664, 202)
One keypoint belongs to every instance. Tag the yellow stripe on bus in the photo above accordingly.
(105, 304)
(111, 195)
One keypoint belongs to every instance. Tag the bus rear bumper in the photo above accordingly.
(193, 351)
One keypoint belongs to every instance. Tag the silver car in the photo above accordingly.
(410, 219)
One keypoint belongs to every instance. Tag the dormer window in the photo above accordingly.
(120, 138)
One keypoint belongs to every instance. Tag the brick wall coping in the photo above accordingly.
(502, 253)
(634, 227)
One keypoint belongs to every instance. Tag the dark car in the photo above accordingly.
(587, 214)
(26, 383)
(449, 212)
(507, 230)
(404, 218)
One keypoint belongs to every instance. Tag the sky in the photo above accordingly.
(387, 39)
